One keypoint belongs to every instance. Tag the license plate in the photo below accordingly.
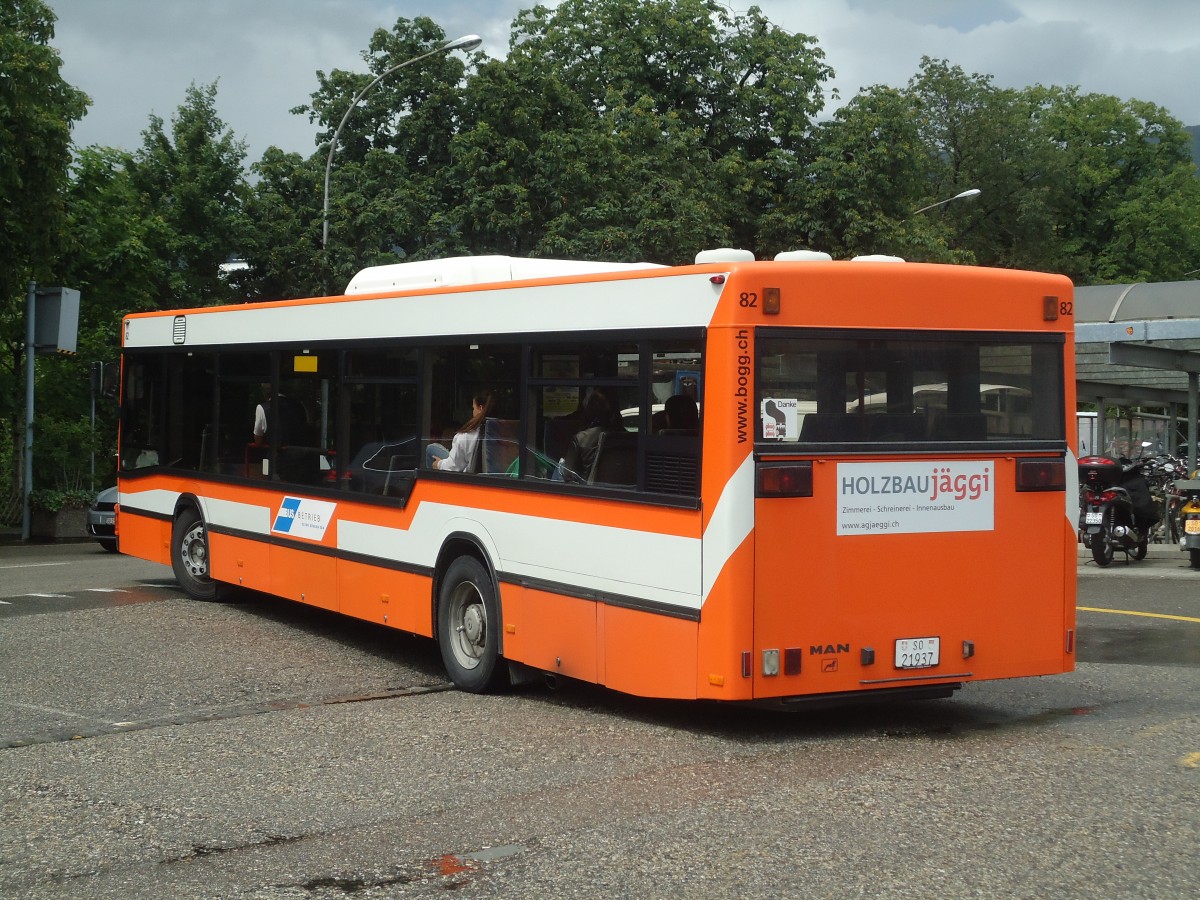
(1093, 518)
(917, 653)
(1191, 526)
(107, 520)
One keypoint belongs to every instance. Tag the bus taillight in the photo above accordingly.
(791, 479)
(1041, 474)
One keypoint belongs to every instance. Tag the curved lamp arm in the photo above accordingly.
(970, 192)
(468, 42)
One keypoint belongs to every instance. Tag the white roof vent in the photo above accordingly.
(724, 254)
(464, 270)
(803, 256)
(877, 257)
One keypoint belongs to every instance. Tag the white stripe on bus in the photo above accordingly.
(668, 569)
(648, 302)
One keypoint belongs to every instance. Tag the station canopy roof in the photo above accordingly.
(1135, 343)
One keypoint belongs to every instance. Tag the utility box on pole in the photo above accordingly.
(57, 320)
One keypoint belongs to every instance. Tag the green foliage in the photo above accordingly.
(54, 500)
(62, 452)
(190, 187)
(36, 111)
(37, 108)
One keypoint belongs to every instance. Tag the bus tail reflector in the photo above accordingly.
(792, 479)
(1041, 474)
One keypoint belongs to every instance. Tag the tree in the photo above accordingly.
(868, 172)
(1122, 189)
(635, 129)
(192, 189)
(283, 227)
(37, 109)
(387, 191)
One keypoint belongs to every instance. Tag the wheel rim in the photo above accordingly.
(193, 551)
(468, 625)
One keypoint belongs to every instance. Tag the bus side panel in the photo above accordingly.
(144, 537)
(550, 632)
(727, 630)
(241, 561)
(647, 654)
(304, 575)
(385, 596)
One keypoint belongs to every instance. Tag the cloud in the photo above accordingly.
(137, 57)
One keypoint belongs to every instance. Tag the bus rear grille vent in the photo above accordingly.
(669, 474)
(179, 330)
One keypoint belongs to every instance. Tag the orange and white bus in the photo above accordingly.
(843, 511)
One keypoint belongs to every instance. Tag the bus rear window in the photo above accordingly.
(874, 387)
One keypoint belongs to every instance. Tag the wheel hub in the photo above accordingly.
(195, 554)
(473, 624)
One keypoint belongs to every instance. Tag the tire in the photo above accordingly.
(1102, 551)
(468, 627)
(109, 544)
(189, 556)
(1195, 555)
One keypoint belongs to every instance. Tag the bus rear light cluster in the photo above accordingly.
(791, 479)
(1041, 474)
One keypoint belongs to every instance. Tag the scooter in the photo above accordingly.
(1189, 518)
(1116, 510)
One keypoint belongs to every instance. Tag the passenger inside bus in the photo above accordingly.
(680, 416)
(293, 419)
(462, 448)
(599, 416)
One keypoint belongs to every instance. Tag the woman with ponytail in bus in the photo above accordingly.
(462, 448)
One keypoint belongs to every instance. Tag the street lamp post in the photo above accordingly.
(970, 192)
(468, 42)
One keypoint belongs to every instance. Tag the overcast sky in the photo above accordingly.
(137, 57)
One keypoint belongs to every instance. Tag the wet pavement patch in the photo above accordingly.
(1154, 645)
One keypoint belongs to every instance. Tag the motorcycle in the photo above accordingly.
(1116, 509)
(1189, 517)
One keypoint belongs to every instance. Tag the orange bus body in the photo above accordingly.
(739, 596)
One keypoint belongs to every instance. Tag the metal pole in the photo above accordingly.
(94, 387)
(30, 350)
(1193, 406)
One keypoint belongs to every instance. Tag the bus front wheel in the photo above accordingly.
(189, 556)
(468, 627)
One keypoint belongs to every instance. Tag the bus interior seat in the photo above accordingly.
(398, 481)
(616, 459)
(497, 446)
(958, 427)
(833, 428)
(557, 435)
(895, 426)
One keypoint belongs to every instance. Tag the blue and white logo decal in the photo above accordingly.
(302, 518)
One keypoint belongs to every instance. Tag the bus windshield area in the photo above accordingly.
(893, 388)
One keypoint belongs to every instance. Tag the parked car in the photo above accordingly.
(102, 519)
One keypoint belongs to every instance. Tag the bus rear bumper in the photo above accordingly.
(849, 698)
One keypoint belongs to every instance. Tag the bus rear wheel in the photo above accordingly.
(468, 627)
(189, 556)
